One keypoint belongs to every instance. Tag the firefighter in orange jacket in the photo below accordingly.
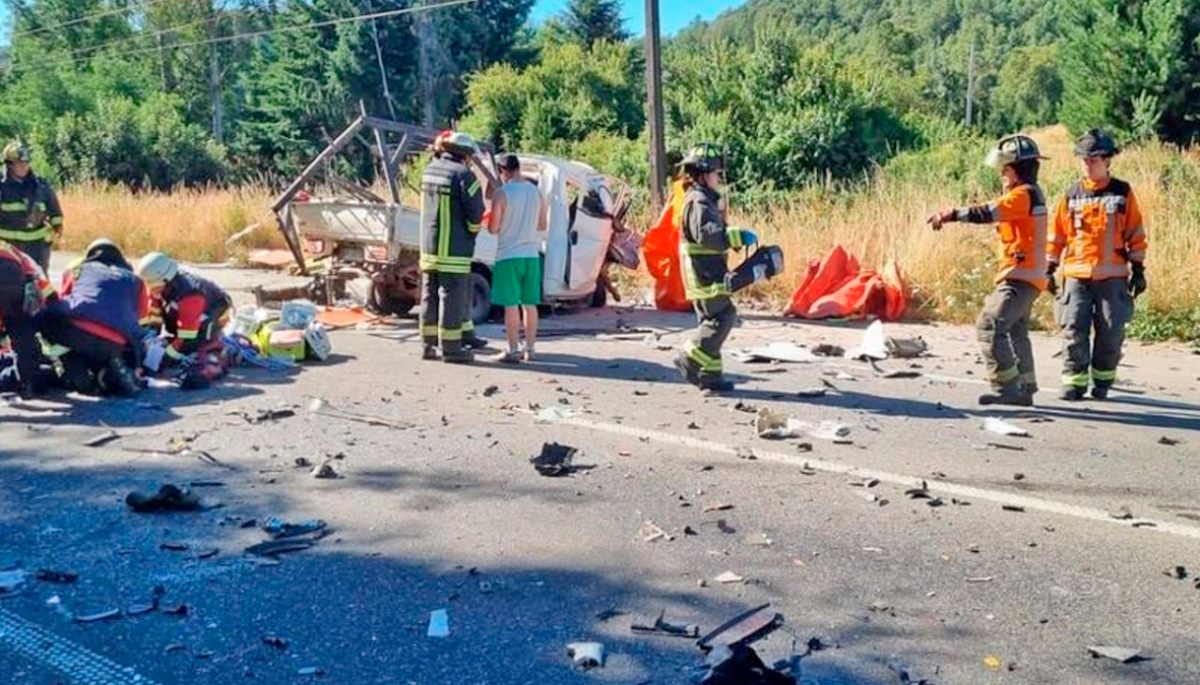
(194, 310)
(1099, 240)
(24, 292)
(1021, 222)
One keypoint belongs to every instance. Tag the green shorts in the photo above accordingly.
(517, 282)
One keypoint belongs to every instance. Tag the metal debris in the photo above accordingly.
(1124, 655)
(906, 348)
(555, 461)
(272, 548)
(647, 624)
(102, 439)
(743, 628)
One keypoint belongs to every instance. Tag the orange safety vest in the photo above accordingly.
(1098, 231)
(1021, 223)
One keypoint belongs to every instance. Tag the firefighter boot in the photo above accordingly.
(716, 384)
(430, 353)
(1071, 393)
(457, 354)
(687, 368)
(117, 379)
(1100, 391)
(1013, 395)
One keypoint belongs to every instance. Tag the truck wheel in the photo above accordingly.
(480, 292)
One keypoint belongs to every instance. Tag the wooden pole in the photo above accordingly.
(658, 150)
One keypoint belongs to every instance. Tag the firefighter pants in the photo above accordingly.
(88, 351)
(208, 338)
(38, 251)
(16, 324)
(1102, 307)
(1003, 330)
(717, 317)
(443, 309)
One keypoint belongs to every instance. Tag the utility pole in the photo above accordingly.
(387, 93)
(214, 76)
(427, 62)
(971, 84)
(658, 150)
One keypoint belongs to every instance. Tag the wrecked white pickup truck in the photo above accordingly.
(355, 233)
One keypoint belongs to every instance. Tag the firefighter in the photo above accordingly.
(193, 311)
(95, 323)
(1099, 240)
(704, 241)
(24, 291)
(451, 217)
(30, 216)
(1021, 222)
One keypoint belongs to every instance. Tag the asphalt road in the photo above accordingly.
(446, 512)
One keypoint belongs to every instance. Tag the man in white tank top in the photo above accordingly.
(519, 222)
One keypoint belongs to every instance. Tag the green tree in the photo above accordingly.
(589, 21)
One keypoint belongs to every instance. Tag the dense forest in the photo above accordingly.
(165, 92)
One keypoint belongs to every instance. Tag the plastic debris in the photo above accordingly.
(1124, 655)
(280, 529)
(439, 624)
(872, 345)
(728, 578)
(586, 655)
(56, 605)
(992, 663)
(776, 352)
(168, 498)
(555, 461)
(770, 425)
(999, 427)
(552, 414)
(906, 348)
(310, 671)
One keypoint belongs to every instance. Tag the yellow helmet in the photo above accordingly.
(16, 151)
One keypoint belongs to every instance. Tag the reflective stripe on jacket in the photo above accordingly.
(703, 241)
(186, 302)
(451, 216)
(1097, 231)
(1021, 224)
(29, 209)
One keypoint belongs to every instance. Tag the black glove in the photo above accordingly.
(1137, 282)
(1051, 283)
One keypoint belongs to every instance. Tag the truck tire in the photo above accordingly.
(480, 288)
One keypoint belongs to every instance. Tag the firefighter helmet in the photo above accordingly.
(456, 143)
(1096, 143)
(703, 158)
(16, 151)
(1012, 150)
(157, 269)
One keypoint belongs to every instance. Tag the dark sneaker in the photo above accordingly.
(1070, 393)
(1011, 396)
(1100, 392)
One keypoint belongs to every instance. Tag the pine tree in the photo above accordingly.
(587, 21)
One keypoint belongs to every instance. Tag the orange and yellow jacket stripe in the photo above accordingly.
(1097, 231)
(1021, 222)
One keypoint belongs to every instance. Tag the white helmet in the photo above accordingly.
(157, 269)
(456, 143)
(317, 340)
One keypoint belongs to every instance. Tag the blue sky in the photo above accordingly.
(674, 14)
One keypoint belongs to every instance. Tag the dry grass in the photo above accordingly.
(952, 271)
(191, 224)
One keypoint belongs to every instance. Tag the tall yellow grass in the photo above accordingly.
(951, 271)
(191, 223)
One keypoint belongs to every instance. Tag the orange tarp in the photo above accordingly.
(660, 249)
(837, 288)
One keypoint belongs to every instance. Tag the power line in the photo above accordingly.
(264, 32)
(85, 18)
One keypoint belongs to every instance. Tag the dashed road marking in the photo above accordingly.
(75, 662)
(939, 487)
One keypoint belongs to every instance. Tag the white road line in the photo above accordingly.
(77, 663)
(936, 486)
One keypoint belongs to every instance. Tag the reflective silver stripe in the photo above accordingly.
(1112, 204)
(994, 210)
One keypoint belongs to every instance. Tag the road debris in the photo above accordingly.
(873, 498)
(325, 471)
(717, 506)
(1121, 513)
(760, 540)
(729, 578)
(872, 345)
(276, 642)
(48, 575)
(102, 439)
(741, 665)
(742, 629)
(1177, 572)
(1123, 655)
(586, 655)
(273, 548)
(992, 663)
(770, 425)
(906, 348)
(491, 390)
(981, 579)
(99, 616)
(12, 582)
(552, 414)
(1169, 442)
(999, 427)
(439, 624)
(812, 393)
(310, 671)
(1013, 508)
(745, 407)
(172, 546)
(265, 415)
(608, 614)
(776, 352)
(322, 407)
(657, 624)
(168, 498)
(652, 533)
(900, 375)
(280, 529)
(828, 350)
(556, 461)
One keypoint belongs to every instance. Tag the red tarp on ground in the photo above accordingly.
(836, 288)
(660, 249)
